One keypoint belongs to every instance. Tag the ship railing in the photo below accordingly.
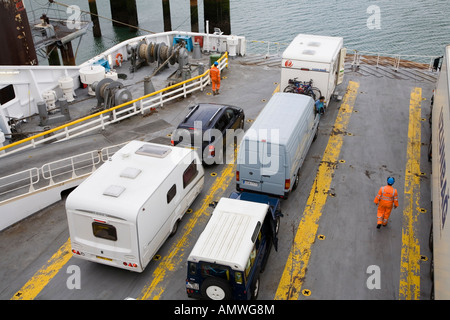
(19, 183)
(394, 59)
(277, 48)
(101, 119)
(269, 47)
(54, 173)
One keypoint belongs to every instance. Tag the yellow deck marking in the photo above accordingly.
(410, 255)
(41, 278)
(177, 252)
(295, 269)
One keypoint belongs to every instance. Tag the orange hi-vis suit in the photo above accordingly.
(386, 198)
(214, 73)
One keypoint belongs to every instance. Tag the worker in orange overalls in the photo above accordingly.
(386, 198)
(214, 73)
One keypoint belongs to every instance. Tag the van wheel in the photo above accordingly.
(174, 228)
(297, 179)
(216, 289)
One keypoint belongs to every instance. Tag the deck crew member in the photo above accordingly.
(386, 198)
(214, 73)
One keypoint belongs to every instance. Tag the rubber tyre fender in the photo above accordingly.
(216, 289)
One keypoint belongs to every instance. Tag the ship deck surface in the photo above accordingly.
(330, 220)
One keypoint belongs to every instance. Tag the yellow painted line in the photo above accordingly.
(294, 272)
(175, 258)
(41, 278)
(409, 288)
(277, 89)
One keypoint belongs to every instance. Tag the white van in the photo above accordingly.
(319, 58)
(123, 213)
(274, 147)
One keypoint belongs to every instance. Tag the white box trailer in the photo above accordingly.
(123, 213)
(319, 58)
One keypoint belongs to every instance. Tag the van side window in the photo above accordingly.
(104, 231)
(189, 174)
(171, 193)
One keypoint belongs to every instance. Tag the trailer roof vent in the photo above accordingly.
(314, 44)
(114, 191)
(130, 173)
(309, 52)
(151, 150)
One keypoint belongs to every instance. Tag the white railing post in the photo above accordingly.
(31, 189)
(73, 168)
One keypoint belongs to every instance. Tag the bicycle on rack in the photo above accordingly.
(303, 87)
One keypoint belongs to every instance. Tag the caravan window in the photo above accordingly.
(171, 193)
(104, 231)
(189, 174)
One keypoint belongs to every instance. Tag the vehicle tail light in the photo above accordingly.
(76, 252)
(287, 184)
(172, 142)
(129, 264)
(212, 151)
(237, 175)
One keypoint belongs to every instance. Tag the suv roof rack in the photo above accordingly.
(190, 112)
(214, 115)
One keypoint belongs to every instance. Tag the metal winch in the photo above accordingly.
(110, 93)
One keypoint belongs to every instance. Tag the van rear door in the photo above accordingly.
(272, 169)
(249, 166)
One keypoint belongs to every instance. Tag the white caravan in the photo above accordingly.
(123, 213)
(313, 57)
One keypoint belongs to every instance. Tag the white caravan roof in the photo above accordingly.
(122, 185)
(313, 48)
(227, 238)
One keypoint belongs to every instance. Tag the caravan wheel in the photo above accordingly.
(174, 228)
